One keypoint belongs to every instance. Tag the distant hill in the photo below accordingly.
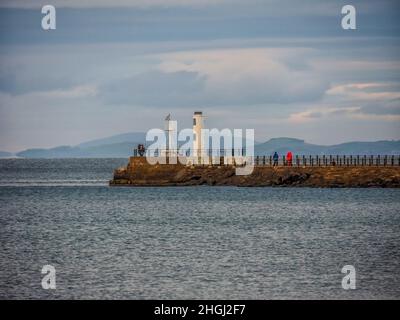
(5, 154)
(300, 147)
(119, 138)
(122, 145)
(367, 148)
(118, 146)
(115, 150)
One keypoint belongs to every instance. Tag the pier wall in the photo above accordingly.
(140, 173)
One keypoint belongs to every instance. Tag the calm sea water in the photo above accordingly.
(189, 242)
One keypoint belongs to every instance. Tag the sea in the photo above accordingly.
(197, 242)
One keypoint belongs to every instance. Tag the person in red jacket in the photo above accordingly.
(289, 159)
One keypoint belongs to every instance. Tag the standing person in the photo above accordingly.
(141, 150)
(275, 157)
(289, 158)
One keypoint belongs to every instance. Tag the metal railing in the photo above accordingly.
(297, 160)
(328, 160)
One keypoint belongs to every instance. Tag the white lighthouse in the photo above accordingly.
(171, 143)
(198, 144)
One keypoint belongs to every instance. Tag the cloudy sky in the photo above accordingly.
(284, 68)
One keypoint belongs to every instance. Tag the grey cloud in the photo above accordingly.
(187, 89)
(114, 48)
(340, 112)
(155, 88)
(10, 83)
(384, 87)
(116, 21)
(315, 115)
(22, 73)
(390, 107)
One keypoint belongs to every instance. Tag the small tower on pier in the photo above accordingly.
(171, 130)
(198, 144)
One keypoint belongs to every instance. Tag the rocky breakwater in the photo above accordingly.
(139, 173)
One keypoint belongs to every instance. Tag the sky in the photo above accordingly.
(284, 68)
